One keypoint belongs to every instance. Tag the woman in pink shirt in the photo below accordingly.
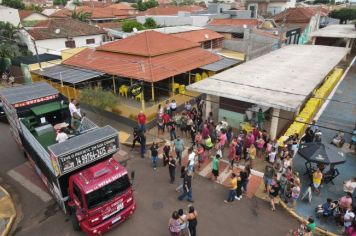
(232, 152)
(259, 144)
(222, 141)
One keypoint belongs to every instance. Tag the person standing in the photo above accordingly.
(136, 137)
(173, 224)
(187, 187)
(166, 153)
(260, 118)
(72, 107)
(172, 168)
(273, 194)
(179, 148)
(172, 129)
(183, 220)
(191, 160)
(268, 175)
(192, 220)
(348, 218)
(154, 154)
(232, 153)
(317, 177)
(233, 187)
(141, 121)
(215, 168)
(143, 144)
(245, 176)
(238, 195)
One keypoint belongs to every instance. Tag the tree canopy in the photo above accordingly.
(80, 15)
(18, 4)
(129, 25)
(143, 6)
(60, 2)
(150, 23)
(344, 14)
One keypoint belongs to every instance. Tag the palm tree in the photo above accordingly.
(80, 15)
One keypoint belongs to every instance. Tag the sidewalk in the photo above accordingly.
(7, 212)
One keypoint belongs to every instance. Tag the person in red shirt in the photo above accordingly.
(141, 120)
(166, 119)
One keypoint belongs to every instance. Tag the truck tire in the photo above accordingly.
(75, 223)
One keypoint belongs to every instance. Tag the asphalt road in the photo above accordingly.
(156, 199)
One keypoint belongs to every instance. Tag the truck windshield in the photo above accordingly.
(107, 192)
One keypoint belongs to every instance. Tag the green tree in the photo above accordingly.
(143, 6)
(129, 25)
(100, 98)
(80, 15)
(35, 8)
(150, 23)
(18, 4)
(344, 14)
(59, 2)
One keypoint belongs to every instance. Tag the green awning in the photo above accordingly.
(47, 108)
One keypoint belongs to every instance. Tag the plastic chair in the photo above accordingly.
(182, 89)
(123, 90)
(175, 87)
(138, 97)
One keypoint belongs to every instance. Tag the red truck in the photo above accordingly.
(80, 172)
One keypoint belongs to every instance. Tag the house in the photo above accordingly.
(10, 15)
(268, 7)
(304, 19)
(30, 17)
(179, 19)
(170, 10)
(232, 28)
(162, 64)
(54, 35)
(61, 13)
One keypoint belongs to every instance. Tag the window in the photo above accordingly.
(90, 41)
(237, 35)
(77, 193)
(70, 43)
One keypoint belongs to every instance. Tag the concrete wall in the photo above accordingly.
(277, 7)
(177, 20)
(283, 124)
(56, 45)
(10, 15)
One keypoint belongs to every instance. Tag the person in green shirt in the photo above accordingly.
(215, 168)
(311, 225)
(260, 118)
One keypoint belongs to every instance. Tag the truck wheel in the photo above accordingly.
(75, 223)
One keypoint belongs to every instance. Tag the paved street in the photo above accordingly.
(156, 199)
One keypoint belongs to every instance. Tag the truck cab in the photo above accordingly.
(100, 197)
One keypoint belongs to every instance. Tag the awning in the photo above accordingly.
(220, 65)
(67, 74)
(232, 54)
(47, 108)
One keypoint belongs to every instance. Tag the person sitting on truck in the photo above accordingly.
(72, 107)
(61, 136)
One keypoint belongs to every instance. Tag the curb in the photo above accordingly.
(12, 218)
(319, 230)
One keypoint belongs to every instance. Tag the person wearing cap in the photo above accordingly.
(141, 121)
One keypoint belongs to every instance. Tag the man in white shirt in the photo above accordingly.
(72, 107)
(348, 217)
(61, 136)
(224, 123)
(191, 159)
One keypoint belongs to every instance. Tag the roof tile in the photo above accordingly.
(199, 36)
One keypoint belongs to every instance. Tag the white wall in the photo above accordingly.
(35, 17)
(280, 5)
(9, 15)
(56, 45)
(176, 20)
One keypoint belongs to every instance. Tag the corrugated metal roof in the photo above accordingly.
(82, 141)
(33, 59)
(29, 92)
(220, 65)
(68, 74)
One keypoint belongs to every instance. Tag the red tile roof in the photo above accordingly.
(109, 25)
(121, 6)
(234, 22)
(63, 13)
(299, 14)
(100, 12)
(24, 13)
(171, 10)
(199, 36)
(148, 43)
(62, 28)
(149, 56)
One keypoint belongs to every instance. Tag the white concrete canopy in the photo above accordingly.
(282, 79)
(336, 31)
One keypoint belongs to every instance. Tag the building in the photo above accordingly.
(53, 35)
(268, 7)
(179, 19)
(10, 15)
(257, 84)
(170, 10)
(161, 64)
(303, 19)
